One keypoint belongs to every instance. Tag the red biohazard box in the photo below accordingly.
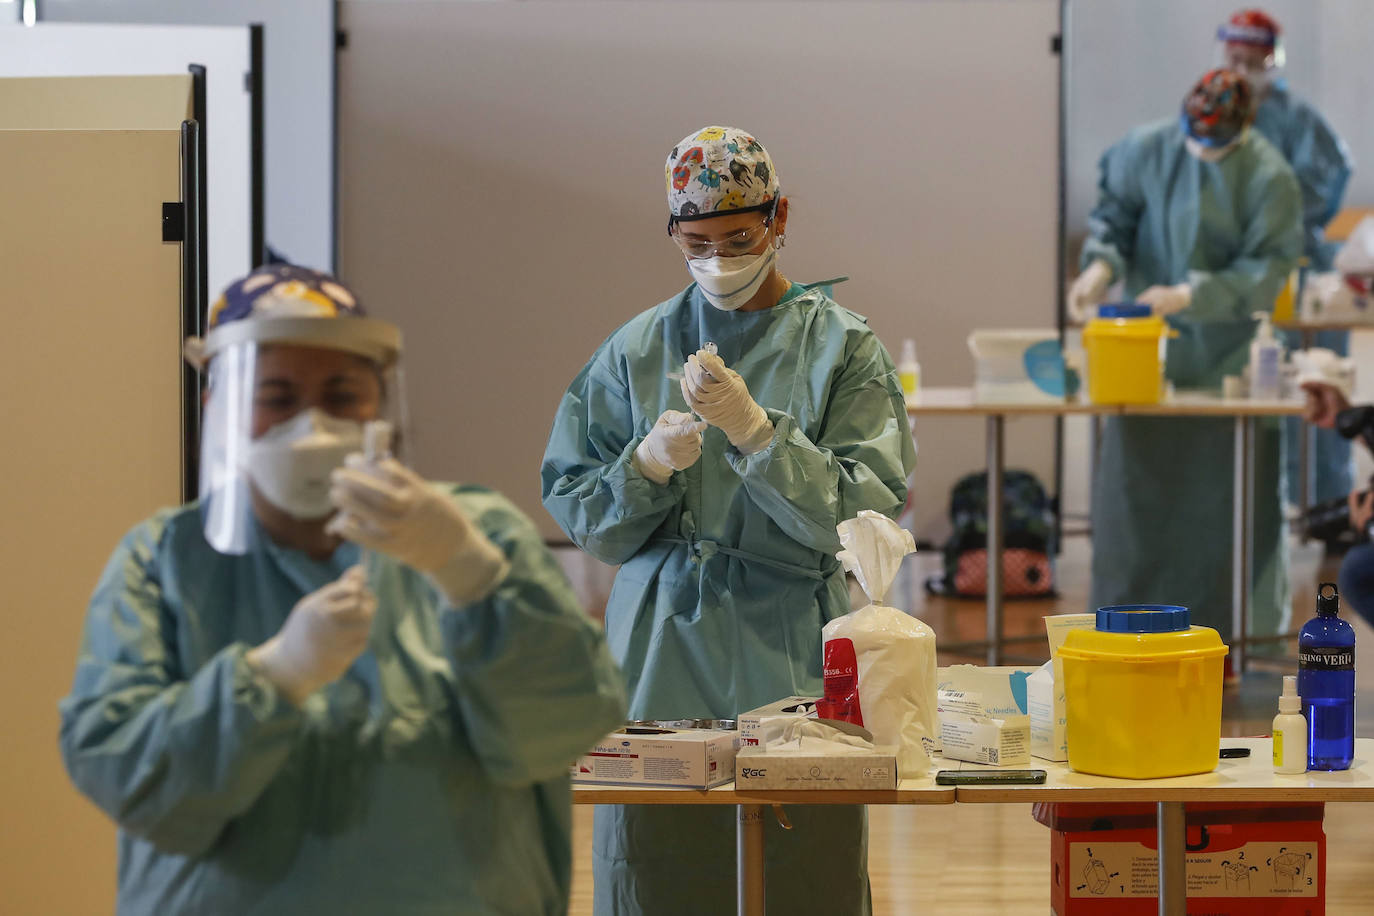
(1243, 859)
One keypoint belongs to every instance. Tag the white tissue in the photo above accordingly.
(808, 737)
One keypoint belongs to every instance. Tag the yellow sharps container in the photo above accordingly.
(1143, 694)
(1125, 346)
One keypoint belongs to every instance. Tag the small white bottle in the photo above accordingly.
(909, 370)
(1290, 730)
(1266, 354)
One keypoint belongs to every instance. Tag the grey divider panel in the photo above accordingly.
(299, 48)
(503, 191)
(117, 50)
(92, 433)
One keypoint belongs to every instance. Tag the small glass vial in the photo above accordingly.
(1290, 731)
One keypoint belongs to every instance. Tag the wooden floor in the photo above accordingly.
(994, 859)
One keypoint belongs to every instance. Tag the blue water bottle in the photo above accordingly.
(1326, 683)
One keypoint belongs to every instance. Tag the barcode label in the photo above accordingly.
(992, 755)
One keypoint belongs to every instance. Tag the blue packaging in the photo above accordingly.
(1326, 683)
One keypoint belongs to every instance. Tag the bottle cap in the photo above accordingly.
(1328, 600)
(1289, 701)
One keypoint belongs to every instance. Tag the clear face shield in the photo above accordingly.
(1254, 54)
(288, 400)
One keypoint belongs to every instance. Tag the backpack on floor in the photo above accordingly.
(1027, 539)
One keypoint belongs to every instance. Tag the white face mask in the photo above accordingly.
(728, 283)
(292, 461)
(1212, 153)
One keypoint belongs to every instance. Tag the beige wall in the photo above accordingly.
(502, 190)
(90, 384)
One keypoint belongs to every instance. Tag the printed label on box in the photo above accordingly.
(1254, 870)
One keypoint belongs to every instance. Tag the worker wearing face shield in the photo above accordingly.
(329, 685)
(724, 526)
(1251, 44)
(1200, 218)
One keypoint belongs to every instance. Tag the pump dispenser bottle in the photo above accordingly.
(1290, 731)
(1326, 683)
(1265, 356)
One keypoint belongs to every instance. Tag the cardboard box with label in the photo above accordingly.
(757, 725)
(969, 732)
(695, 758)
(1260, 859)
(1045, 699)
(755, 768)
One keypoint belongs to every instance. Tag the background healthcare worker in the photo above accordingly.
(1252, 47)
(281, 724)
(726, 527)
(1201, 217)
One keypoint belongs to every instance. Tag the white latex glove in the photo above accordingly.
(387, 507)
(1167, 300)
(1088, 289)
(672, 445)
(720, 397)
(324, 633)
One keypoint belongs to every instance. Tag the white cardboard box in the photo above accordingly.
(757, 725)
(1001, 690)
(980, 739)
(1048, 719)
(691, 758)
(756, 769)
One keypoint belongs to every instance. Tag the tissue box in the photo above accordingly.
(1048, 719)
(998, 741)
(757, 725)
(755, 768)
(695, 758)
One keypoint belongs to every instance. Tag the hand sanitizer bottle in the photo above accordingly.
(909, 370)
(1290, 731)
(1265, 357)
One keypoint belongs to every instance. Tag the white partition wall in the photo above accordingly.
(503, 200)
(298, 40)
(88, 50)
(92, 419)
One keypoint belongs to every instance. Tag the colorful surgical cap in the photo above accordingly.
(284, 291)
(1250, 27)
(719, 170)
(1217, 109)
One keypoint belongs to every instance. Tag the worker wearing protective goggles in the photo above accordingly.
(724, 527)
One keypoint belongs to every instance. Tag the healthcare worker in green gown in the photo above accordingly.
(291, 709)
(725, 526)
(1251, 44)
(1202, 219)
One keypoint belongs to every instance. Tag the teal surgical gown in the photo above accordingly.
(1322, 163)
(1162, 498)
(432, 778)
(728, 572)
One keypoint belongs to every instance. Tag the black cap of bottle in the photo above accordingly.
(1328, 600)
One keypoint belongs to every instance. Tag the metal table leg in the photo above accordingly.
(1242, 538)
(1305, 445)
(994, 552)
(749, 874)
(1172, 840)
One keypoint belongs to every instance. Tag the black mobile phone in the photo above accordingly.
(1231, 753)
(989, 777)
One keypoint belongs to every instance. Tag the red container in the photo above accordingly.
(1243, 859)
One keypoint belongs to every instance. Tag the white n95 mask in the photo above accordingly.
(290, 463)
(728, 283)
